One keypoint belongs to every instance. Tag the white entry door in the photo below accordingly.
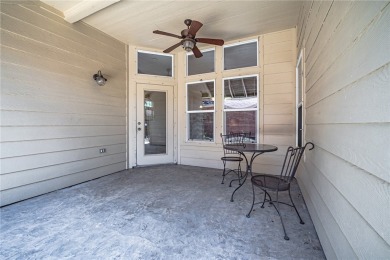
(154, 124)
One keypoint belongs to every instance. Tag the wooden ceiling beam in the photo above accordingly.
(85, 8)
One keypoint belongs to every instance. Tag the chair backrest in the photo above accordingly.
(291, 161)
(233, 139)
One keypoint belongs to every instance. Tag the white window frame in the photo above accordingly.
(203, 51)
(257, 109)
(155, 53)
(299, 103)
(198, 112)
(241, 43)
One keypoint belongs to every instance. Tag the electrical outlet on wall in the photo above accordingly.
(102, 150)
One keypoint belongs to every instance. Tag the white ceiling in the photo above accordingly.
(133, 22)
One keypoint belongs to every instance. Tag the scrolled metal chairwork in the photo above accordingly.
(279, 183)
(235, 139)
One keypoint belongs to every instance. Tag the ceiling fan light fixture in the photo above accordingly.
(100, 80)
(188, 45)
(188, 38)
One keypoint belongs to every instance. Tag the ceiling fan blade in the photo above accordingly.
(210, 41)
(197, 52)
(172, 47)
(167, 34)
(194, 27)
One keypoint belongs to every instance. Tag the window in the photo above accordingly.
(299, 101)
(240, 104)
(151, 63)
(240, 55)
(200, 111)
(204, 64)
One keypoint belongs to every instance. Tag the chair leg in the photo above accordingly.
(281, 219)
(230, 184)
(265, 197)
(224, 171)
(253, 202)
(238, 179)
(292, 202)
(239, 175)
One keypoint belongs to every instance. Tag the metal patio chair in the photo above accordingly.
(279, 183)
(232, 156)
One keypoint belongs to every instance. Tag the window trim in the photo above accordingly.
(203, 51)
(159, 54)
(257, 109)
(241, 43)
(198, 112)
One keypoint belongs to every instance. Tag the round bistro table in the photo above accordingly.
(253, 149)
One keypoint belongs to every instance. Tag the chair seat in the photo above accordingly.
(231, 159)
(270, 182)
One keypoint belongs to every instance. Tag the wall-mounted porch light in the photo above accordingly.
(100, 80)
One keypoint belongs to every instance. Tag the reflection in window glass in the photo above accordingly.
(240, 56)
(240, 105)
(154, 64)
(201, 126)
(237, 88)
(155, 139)
(204, 64)
(241, 122)
(200, 96)
(200, 111)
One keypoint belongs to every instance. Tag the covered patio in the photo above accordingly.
(93, 100)
(159, 212)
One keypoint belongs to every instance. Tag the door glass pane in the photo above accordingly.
(154, 64)
(299, 83)
(155, 138)
(300, 126)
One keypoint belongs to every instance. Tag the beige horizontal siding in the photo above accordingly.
(346, 178)
(54, 116)
(279, 97)
(35, 189)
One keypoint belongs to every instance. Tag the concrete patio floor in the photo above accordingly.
(158, 212)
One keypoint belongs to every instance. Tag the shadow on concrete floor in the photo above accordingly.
(158, 212)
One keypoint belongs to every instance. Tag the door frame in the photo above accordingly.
(153, 159)
(133, 78)
(299, 103)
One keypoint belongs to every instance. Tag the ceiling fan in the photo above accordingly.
(188, 40)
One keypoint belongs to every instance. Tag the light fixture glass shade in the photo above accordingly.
(188, 45)
(100, 80)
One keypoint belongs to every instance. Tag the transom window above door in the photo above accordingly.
(153, 63)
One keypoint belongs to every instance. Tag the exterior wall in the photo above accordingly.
(345, 179)
(54, 117)
(276, 71)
